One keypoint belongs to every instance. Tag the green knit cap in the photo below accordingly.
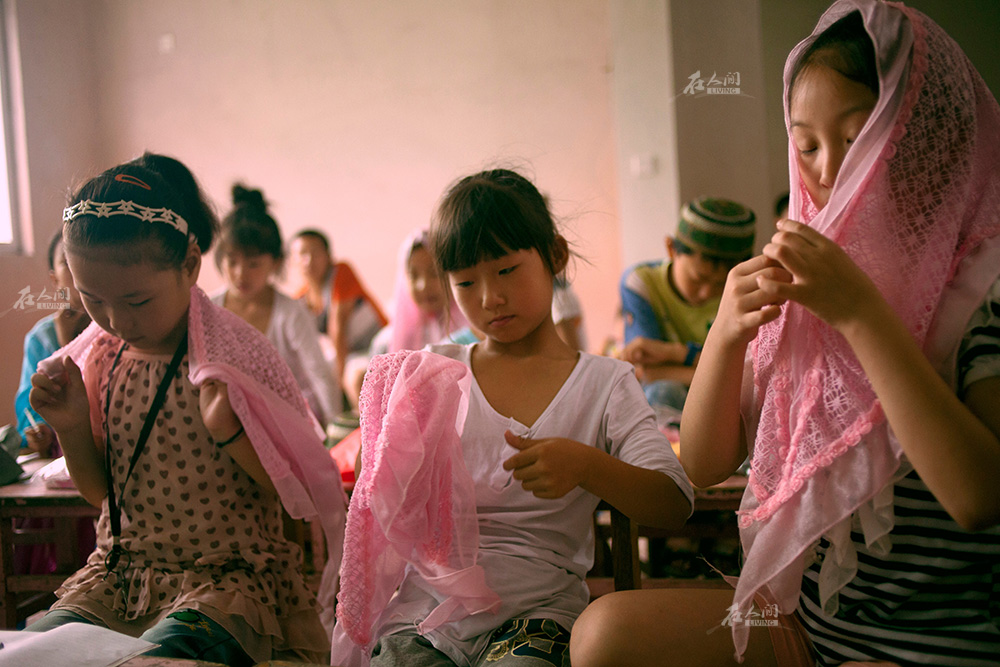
(718, 228)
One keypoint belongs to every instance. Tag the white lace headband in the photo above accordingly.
(106, 210)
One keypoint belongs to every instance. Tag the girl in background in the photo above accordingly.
(422, 310)
(189, 431)
(547, 434)
(344, 310)
(871, 389)
(249, 255)
(48, 335)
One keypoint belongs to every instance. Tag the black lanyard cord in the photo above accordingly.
(114, 508)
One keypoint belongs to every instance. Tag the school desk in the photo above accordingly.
(23, 594)
(624, 536)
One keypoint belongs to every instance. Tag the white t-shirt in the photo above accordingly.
(536, 552)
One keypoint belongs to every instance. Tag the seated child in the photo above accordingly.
(347, 316)
(184, 425)
(669, 305)
(547, 432)
(422, 312)
(857, 360)
(249, 254)
(568, 314)
(48, 335)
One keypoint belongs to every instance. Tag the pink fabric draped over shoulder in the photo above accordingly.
(917, 206)
(265, 397)
(414, 503)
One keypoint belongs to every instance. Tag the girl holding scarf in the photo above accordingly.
(856, 361)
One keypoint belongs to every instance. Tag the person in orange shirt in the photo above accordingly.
(344, 309)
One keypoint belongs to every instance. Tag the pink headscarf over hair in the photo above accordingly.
(414, 503)
(265, 397)
(408, 320)
(916, 205)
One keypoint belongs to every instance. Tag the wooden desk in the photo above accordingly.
(724, 497)
(27, 499)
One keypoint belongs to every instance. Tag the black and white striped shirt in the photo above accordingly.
(935, 598)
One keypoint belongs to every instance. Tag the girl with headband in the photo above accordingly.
(189, 431)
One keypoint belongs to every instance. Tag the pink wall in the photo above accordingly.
(352, 117)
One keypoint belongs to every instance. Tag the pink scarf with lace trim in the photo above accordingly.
(414, 503)
(264, 395)
(917, 206)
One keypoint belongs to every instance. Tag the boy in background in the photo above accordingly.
(668, 305)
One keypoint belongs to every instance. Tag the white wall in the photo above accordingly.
(352, 116)
(646, 126)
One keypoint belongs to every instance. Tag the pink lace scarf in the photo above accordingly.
(408, 321)
(917, 206)
(270, 406)
(414, 503)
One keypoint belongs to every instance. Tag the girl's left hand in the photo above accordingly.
(549, 467)
(216, 411)
(824, 278)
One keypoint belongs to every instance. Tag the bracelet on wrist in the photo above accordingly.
(232, 439)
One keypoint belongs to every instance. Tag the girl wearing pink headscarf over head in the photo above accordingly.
(856, 361)
(422, 311)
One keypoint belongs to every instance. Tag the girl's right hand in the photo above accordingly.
(62, 401)
(745, 307)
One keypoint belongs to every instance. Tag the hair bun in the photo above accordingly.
(249, 197)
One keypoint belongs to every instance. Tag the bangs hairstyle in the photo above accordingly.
(249, 228)
(846, 48)
(488, 215)
(136, 240)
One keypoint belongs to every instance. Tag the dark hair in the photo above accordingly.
(53, 246)
(156, 242)
(249, 228)
(488, 215)
(180, 178)
(314, 234)
(844, 47)
(781, 204)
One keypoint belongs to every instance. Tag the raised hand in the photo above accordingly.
(62, 400)
(745, 306)
(825, 280)
(548, 467)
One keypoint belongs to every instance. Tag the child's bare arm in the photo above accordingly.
(648, 351)
(712, 446)
(552, 467)
(225, 427)
(63, 403)
(674, 372)
(953, 446)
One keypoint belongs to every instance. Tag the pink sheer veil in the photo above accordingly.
(408, 321)
(414, 503)
(917, 207)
